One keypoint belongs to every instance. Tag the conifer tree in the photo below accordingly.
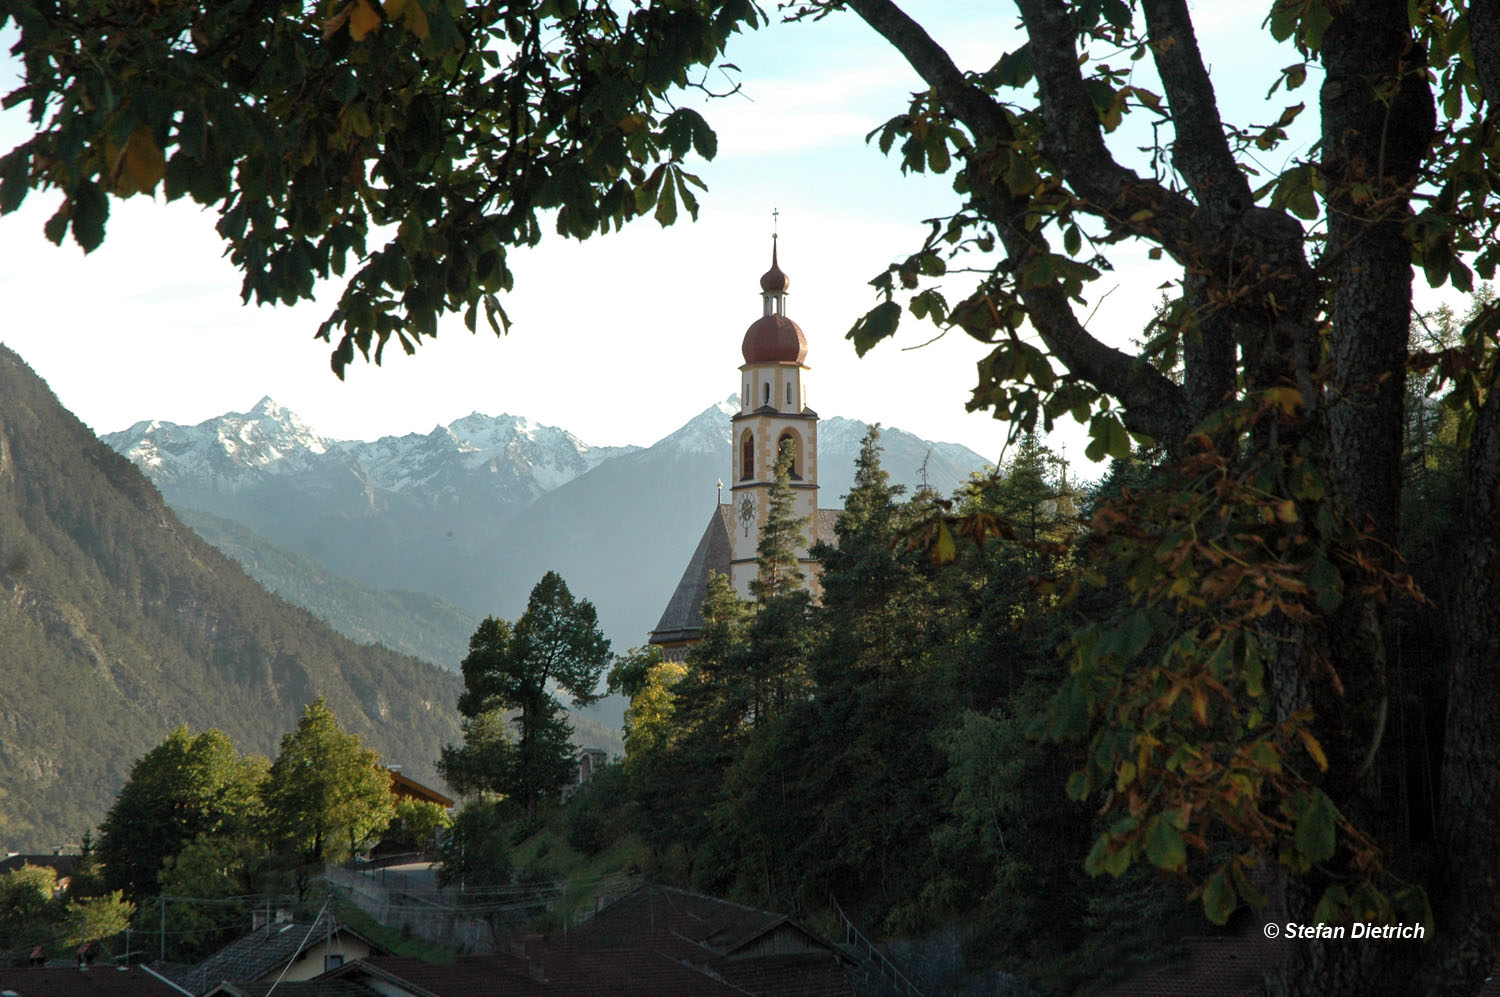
(556, 640)
(777, 569)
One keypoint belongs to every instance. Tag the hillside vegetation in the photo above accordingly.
(117, 623)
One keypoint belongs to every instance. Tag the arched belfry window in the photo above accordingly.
(791, 438)
(747, 456)
(789, 394)
(765, 393)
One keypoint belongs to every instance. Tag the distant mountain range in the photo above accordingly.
(477, 511)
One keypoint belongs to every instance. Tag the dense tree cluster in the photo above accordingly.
(196, 821)
(873, 746)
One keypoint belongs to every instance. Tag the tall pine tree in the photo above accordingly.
(556, 640)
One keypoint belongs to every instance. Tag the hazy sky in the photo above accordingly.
(619, 339)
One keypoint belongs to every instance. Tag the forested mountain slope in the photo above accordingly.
(117, 622)
(423, 625)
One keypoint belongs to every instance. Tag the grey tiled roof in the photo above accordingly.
(254, 955)
(655, 942)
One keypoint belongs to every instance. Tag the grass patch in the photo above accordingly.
(547, 852)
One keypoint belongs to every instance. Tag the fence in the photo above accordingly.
(856, 940)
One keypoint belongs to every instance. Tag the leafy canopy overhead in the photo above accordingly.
(403, 146)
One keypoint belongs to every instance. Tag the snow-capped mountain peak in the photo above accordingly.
(269, 438)
(706, 432)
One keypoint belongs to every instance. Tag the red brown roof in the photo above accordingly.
(774, 339)
(106, 981)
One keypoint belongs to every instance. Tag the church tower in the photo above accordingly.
(773, 407)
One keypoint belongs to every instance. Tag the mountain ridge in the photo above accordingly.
(619, 524)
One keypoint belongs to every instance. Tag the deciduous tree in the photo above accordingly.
(327, 793)
(186, 786)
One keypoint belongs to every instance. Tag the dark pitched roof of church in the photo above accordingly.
(683, 617)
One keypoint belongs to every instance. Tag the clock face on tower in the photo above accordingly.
(747, 513)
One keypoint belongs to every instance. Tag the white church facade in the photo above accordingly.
(773, 408)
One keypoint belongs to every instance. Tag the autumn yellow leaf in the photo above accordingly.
(1314, 748)
(363, 19)
(139, 166)
(1286, 399)
(944, 551)
(332, 25)
(410, 13)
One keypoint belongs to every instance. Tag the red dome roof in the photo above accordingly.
(774, 339)
(773, 281)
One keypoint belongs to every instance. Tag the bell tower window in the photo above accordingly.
(765, 393)
(790, 440)
(747, 456)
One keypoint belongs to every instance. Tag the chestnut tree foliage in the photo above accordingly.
(1239, 712)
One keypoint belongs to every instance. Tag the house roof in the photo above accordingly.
(404, 785)
(105, 981)
(257, 954)
(682, 620)
(291, 988)
(63, 865)
(654, 942)
(1231, 966)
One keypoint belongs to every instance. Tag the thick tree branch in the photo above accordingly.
(1074, 141)
(1200, 153)
(1153, 404)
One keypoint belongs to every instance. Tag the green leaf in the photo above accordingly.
(1078, 786)
(1219, 899)
(1164, 845)
(1331, 905)
(1015, 69)
(666, 203)
(1137, 635)
(90, 209)
(15, 172)
(688, 200)
(1102, 859)
(937, 156)
(877, 324)
(1254, 670)
(57, 225)
(1315, 832)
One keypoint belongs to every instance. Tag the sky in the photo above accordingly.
(619, 339)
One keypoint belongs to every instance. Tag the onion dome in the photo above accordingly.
(773, 281)
(774, 339)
